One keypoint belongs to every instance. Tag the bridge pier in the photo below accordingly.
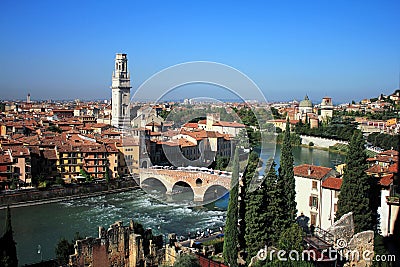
(198, 194)
(198, 198)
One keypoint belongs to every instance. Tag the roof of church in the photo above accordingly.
(306, 103)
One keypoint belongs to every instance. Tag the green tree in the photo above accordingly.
(250, 172)
(263, 214)
(63, 249)
(83, 173)
(107, 174)
(221, 162)
(292, 239)
(187, 260)
(356, 186)
(286, 181)
(241, 139)
(231, 242)
(8, 250)
(60, 181)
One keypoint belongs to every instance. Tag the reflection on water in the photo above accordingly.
(44, 225)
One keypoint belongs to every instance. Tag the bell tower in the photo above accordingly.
(121, 87)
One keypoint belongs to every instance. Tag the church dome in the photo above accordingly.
(306, 103)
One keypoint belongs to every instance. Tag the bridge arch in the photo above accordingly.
(190, 185)
(182, 192)
(214, 192)
(151, 183)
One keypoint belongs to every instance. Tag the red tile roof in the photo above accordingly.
(229, 124)
(311, 171)
(376, 169)
(5, 159)
(386, 180)
(191, 125)
(390, 153)
(18, 151)
(50, 154)
(332, 183)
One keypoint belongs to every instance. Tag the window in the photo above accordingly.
(313, 218)
(313, 201)
(314, 184)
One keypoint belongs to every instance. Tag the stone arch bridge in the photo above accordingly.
(199, 182)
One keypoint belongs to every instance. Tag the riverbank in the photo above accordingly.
(32, 197)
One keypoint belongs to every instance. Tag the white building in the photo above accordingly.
(309, 193)
(213, 123)
(121, 87)
(330, 192)
(326, 109)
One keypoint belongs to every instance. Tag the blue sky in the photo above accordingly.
(65, 49)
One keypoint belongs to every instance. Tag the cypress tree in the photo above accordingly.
(231, 242)
(249, 173)
(7, 244)
(356, 186)
(263, 214)
(286, 180)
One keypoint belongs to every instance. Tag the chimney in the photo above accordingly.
(309, 170)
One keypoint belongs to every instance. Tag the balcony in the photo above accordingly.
(394, 197)
(393, 200)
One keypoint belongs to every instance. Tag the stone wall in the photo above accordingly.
(119, 245)
(343, 228)
(356, 249)
(32, 196)
(319, 141)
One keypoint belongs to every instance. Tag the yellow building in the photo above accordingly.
(128, 156)
(391, 122)
(95, 159)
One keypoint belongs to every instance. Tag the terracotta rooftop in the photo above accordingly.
(229, 124)
(50, 154)
(191, 125)
(110, 132)
(18, 151)
(5, 159)
(332, 183)
(311, 171)
(390, 153)
(386, 180)
(377, 169)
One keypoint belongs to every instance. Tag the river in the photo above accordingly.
(45, 224)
